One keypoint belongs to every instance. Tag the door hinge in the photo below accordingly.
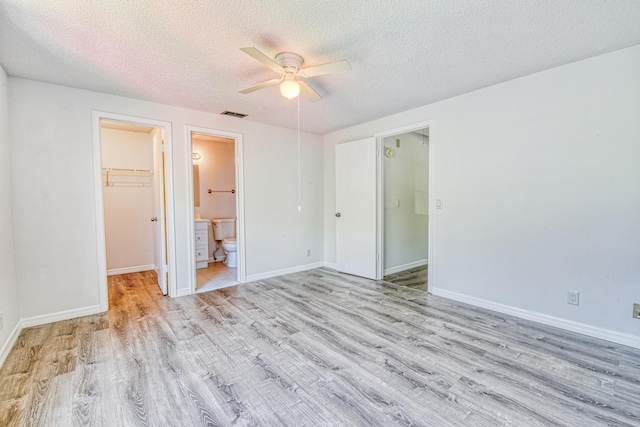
(377, 257)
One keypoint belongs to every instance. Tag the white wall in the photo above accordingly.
(405, 174)
(217, 172)
(8, 281)
(128, 200)
(540, 182)
(54, 200)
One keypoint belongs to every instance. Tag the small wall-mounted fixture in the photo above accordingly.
(196, 156)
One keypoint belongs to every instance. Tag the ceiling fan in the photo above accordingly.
(293, 79)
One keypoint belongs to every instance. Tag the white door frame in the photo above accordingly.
(239, 169)
(103, 294)
(380, 195)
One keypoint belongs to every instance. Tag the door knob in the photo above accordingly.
(153, 218)
(338, 215)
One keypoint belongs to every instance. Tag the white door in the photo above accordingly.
(356, 208)
(159, 208)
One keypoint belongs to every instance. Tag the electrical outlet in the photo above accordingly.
(636, 311)
(573, 297)
(308, 252)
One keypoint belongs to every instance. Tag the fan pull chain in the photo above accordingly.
(299, 190)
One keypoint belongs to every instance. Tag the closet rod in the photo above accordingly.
(232, 191)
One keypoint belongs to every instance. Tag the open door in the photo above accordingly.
(160, 215)
(356, 227)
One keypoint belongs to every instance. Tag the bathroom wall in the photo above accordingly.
(8, 279)
(128, 201)
(217, 172)
(406, 185)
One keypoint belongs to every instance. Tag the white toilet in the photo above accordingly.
(224, 229)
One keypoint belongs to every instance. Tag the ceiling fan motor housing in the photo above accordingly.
(290, 62)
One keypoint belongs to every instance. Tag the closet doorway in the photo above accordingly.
(218, 211)
(133, 199)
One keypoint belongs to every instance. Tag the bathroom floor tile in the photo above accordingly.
(216, 275)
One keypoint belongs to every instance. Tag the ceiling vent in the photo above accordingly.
(233, 114)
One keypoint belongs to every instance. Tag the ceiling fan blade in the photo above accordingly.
(261, 85)
(256, 54)
(330, 68)
(308, 92)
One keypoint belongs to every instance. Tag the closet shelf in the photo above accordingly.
(126, 177)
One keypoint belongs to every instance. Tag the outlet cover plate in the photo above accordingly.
(573, 297)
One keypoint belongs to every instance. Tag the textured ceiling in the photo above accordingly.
(403, 53)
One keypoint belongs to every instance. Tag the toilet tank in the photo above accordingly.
(223, 228)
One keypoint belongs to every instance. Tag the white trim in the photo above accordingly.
(239, 169)
(282, 272)
(404, 267)
(380, 208)
(11, 340)
(101, 252)
(103, 297)
(61, 315)
(331, 265)
(405, 129)
(430, 124)
(569, 325)
(431, 247)
(184, 292)
(134, 269)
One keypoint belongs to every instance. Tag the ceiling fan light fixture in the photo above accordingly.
(289, 88)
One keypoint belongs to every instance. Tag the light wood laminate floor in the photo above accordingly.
(307, 349)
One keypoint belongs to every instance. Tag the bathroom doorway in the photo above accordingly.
(405, 205)
(405, 167)
(218, 255)
(134, 199)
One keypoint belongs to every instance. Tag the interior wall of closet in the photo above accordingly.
(127, 186)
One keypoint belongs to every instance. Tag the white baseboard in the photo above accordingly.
(11, 340)
(61, 315)
(274, 273)
(404, 267)
(331, 265)
(569, 325)
(134, 269)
